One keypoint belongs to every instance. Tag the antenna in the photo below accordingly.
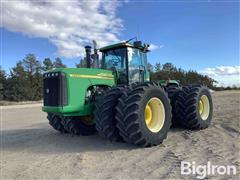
(138, 32)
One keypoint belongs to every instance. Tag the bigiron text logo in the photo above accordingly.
(202, 171)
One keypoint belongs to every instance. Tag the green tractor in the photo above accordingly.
(118, 100)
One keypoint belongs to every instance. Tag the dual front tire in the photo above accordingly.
(144, 115)
(105, 111)
(72, 124)
(55, 122)
(139, 114)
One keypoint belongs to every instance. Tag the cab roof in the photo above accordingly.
(119, 45)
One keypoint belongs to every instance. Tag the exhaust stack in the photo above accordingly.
(88, 56)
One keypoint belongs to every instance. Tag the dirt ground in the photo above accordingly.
(31, 149)
(8, 103)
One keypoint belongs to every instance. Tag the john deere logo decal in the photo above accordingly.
(98, 76)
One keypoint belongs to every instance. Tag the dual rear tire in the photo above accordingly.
(173, 91)
(194, 107)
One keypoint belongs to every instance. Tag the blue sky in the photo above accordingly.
(196, 35)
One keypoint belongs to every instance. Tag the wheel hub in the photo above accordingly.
(204, 107)
(154, 114)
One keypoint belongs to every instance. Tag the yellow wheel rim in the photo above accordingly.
(154, 114)
(204, 107)
(148, 114)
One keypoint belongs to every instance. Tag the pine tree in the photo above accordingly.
(25, 81)
(157, 67)
(17, 86)
(47, 64)
(58, 63)
(2, 82)
(169, 67)
(33, 69)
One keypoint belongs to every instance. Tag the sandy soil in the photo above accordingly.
(31, 149)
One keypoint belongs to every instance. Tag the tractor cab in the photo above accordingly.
(128, 61)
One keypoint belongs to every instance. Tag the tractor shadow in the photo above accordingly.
(45, 140)
(49, 141)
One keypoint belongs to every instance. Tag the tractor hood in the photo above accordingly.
(65, 89)
(83, 73)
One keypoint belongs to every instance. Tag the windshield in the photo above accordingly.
(114, 58)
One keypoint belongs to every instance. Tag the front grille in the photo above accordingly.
(54, 89)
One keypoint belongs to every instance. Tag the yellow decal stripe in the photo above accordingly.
(90, 76)
(103, 74)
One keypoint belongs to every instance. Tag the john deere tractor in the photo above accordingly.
(117, 99)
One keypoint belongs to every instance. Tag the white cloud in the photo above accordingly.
(69, 25)
(221, 70)
(153, 47)
(225, 75)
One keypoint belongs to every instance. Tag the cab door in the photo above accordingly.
(136, 66)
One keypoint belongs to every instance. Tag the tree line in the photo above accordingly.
(24, 82)
(169, 71)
